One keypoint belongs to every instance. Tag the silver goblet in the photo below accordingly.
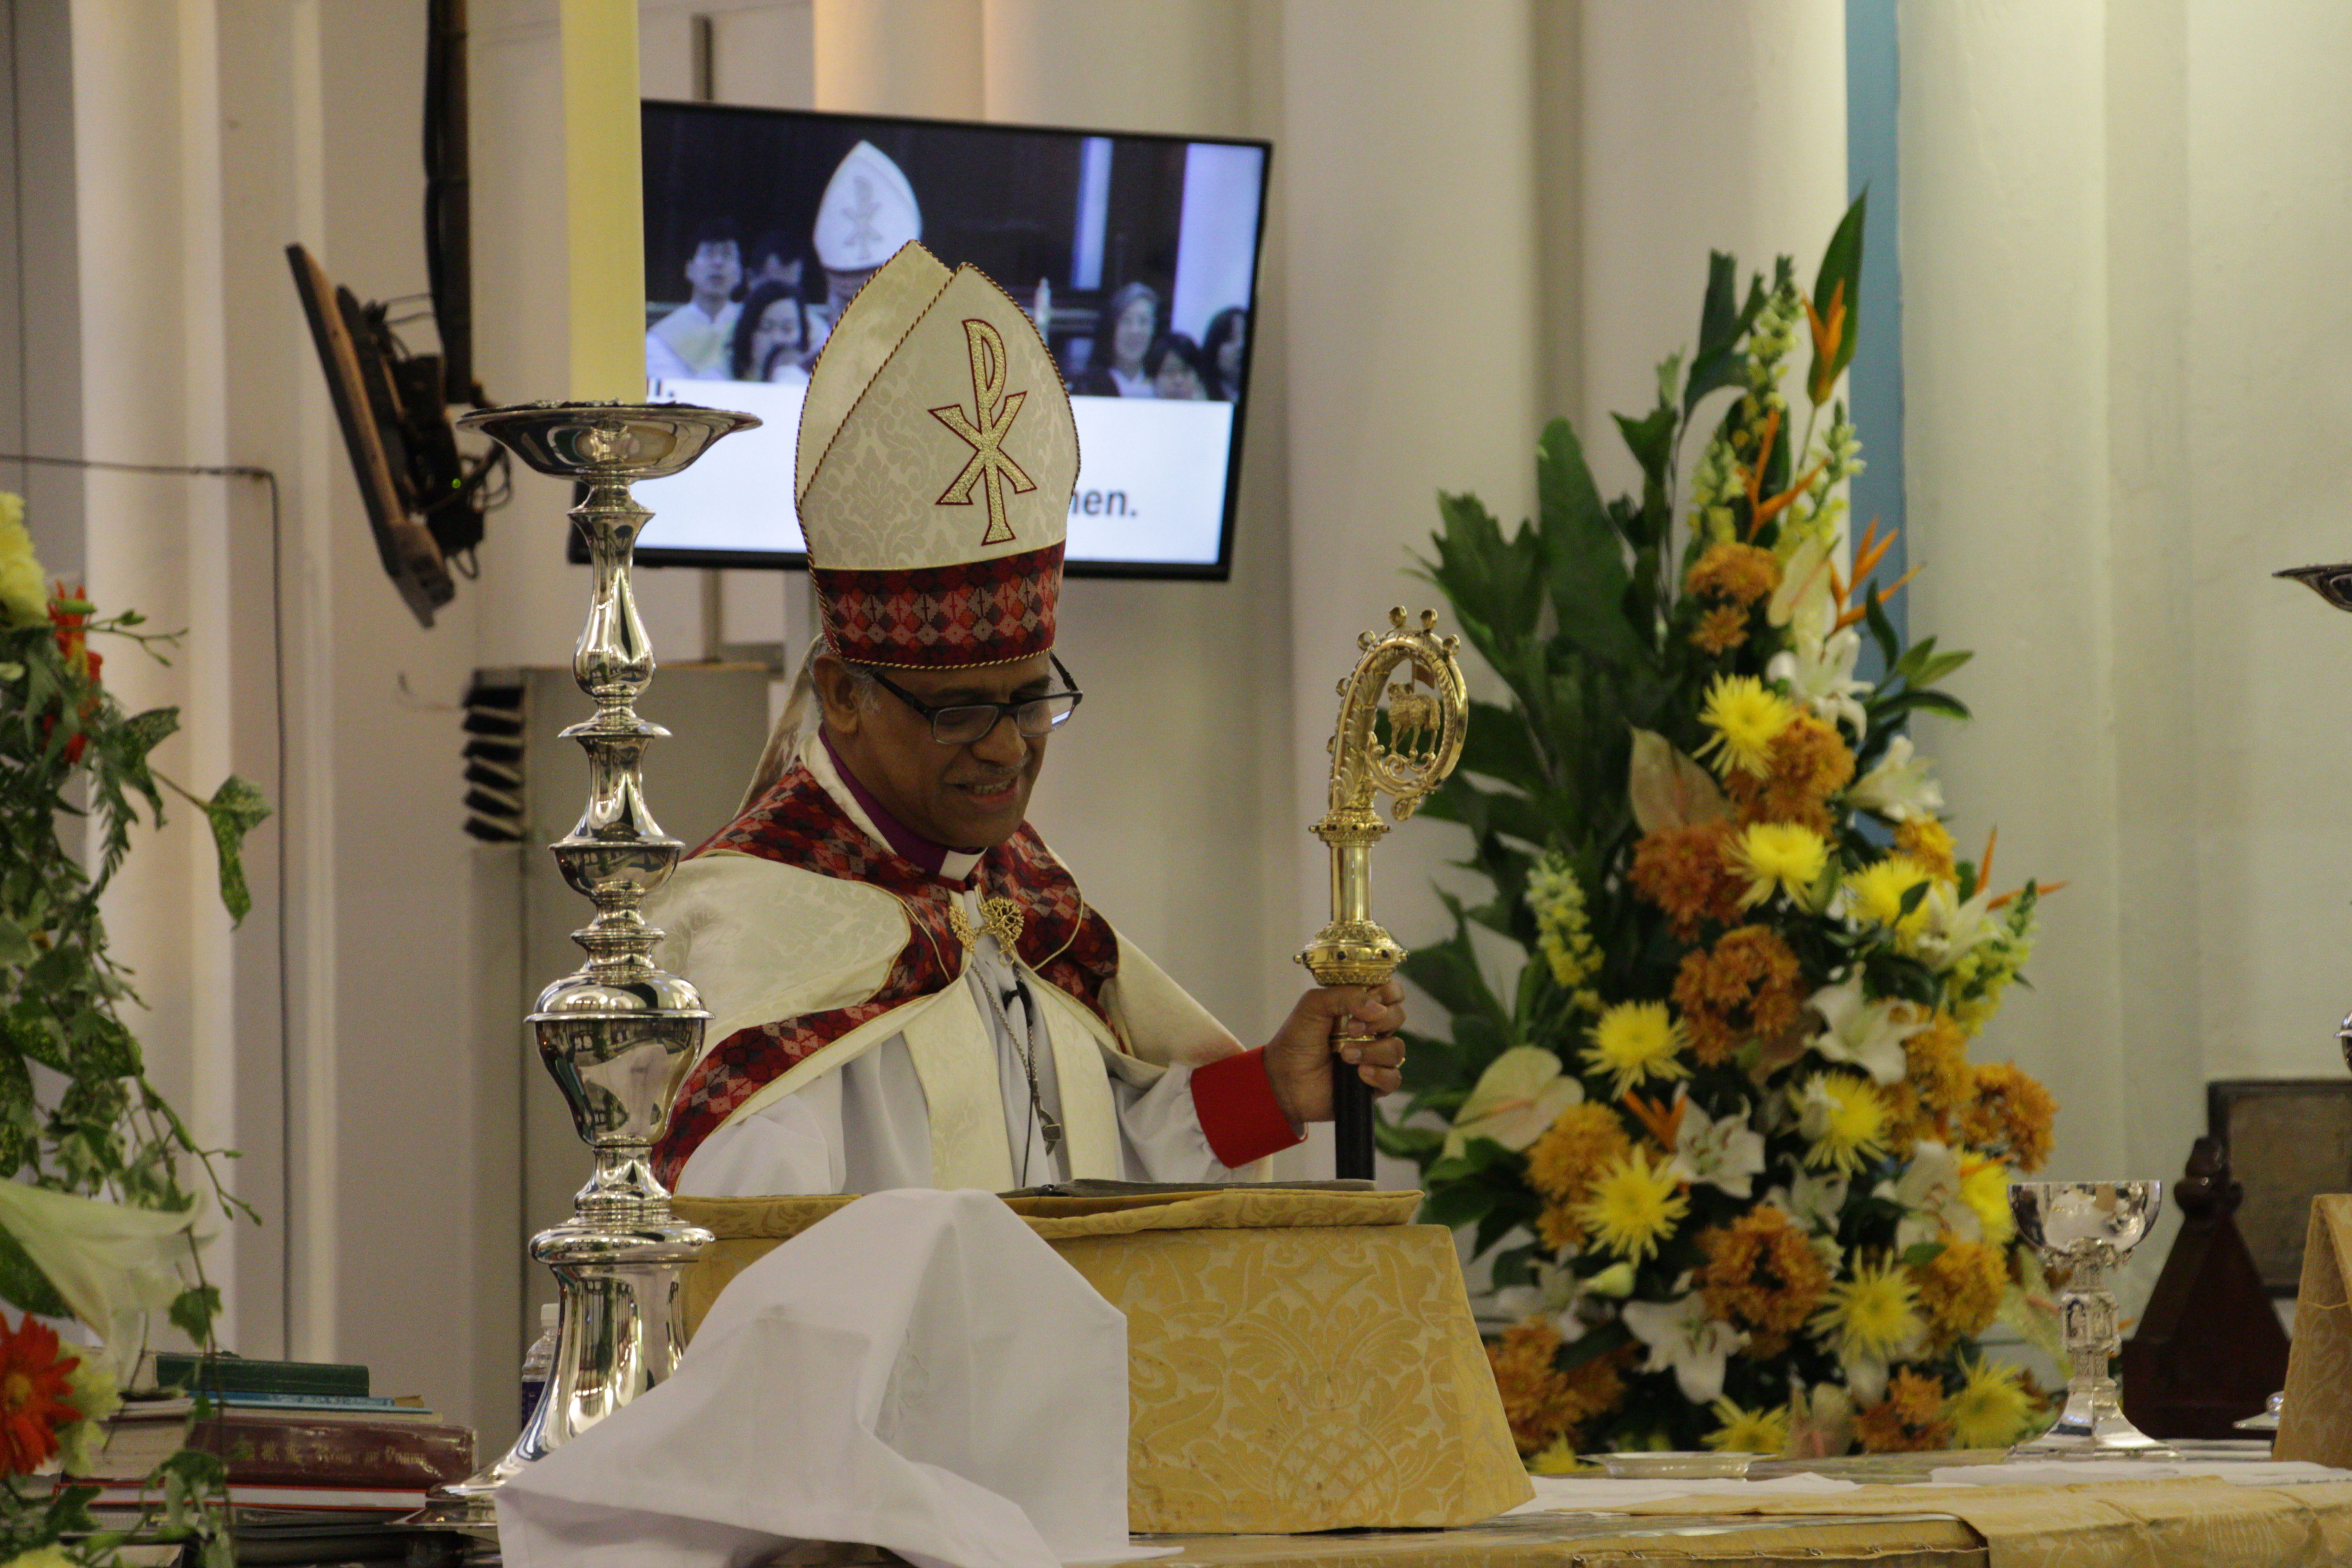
(2088, 1227)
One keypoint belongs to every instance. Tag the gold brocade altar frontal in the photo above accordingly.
(1297, 1360)
(2193, 1522)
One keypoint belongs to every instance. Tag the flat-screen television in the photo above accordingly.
(1137, 255)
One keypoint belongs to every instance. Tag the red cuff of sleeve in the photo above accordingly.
(1234, 1100)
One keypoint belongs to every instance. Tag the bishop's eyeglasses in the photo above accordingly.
(968, 723)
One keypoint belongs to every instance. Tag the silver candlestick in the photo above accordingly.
(619, 1034)
(2089, 1227)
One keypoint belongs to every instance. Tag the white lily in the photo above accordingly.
(1818, 670)
(1682, 1336)
(1865, 1376)
(1724, 1152)
(1929, 1192)
(1805, 597)
(1869, 1034)
(1813, 1200)
(113, 1264)
(1514, 1101)
(1952, 927)
(1561, 1294)
(1898, 788)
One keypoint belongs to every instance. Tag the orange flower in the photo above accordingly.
(1744, 989)
(73, 642)
(1961, 1286)
(1910, 1419)
(1721, 629)
(1542, 1402)
(1736, 573)
(33, 1402)
(1928, 844)
(1807, 763)
(1687, 872)
(1936, 1063)
(2011, 1113)
(1761, 1273)
(1828, 335)
(1585, 1139)
(1906, 1123)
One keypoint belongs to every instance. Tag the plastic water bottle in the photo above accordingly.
(538, 1362)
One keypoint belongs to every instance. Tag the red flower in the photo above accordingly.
(73, 642)
(33, 1402)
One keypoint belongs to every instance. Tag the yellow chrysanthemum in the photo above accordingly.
(1783, 857)
(1559, 1459)
(1634, 1206)
(1745, 1431)
(1876, 893)
(1991, 1408)
(24, 598)
(1636, 1041)
(1845, 1119)
(1984, 1187)
(1874, 1313)
(1747, 716)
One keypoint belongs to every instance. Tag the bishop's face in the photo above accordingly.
(971, 796)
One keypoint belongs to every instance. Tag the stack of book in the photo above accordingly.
(316, 1462)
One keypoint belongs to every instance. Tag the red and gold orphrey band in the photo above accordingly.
(941, 617)
(994, 411)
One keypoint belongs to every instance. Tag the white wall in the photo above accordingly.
(2122, 275)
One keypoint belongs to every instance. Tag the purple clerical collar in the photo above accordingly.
(924, 854)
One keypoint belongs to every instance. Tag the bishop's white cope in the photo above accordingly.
(934, 1093)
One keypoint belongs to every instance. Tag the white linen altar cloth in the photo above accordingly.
(918, 1372)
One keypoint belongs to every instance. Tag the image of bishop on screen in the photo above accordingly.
(1135, 256)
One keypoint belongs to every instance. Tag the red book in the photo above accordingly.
(278, 1448)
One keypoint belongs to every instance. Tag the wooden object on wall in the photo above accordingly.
(2210, 1348)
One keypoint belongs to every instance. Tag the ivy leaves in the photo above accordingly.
(77, 776)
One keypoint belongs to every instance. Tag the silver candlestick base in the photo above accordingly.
(619, 1034)
(2088, 1227)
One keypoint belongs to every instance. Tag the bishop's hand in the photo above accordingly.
(1360, 1023)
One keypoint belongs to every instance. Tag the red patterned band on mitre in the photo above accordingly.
(943, 618)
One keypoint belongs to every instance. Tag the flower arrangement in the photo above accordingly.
(1742, 1183)
(97, 1223)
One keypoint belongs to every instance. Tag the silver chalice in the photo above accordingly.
(2088, 1227)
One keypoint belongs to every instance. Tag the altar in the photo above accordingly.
(2201, 1518)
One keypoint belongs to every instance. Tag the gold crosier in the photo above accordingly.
(993, 410)
(1424, 741)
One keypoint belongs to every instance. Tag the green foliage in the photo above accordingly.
(77, 1115)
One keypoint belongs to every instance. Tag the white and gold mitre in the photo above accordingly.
(937, 457)
(868, 212)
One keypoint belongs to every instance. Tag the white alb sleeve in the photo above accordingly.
(1161, 1138)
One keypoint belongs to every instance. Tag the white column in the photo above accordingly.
(2266, 412)
(1707, 125)
(2160, 620)
(1410, 164)
(899, 57)
(146, 108)
(1174, 66)
(2005, 300)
